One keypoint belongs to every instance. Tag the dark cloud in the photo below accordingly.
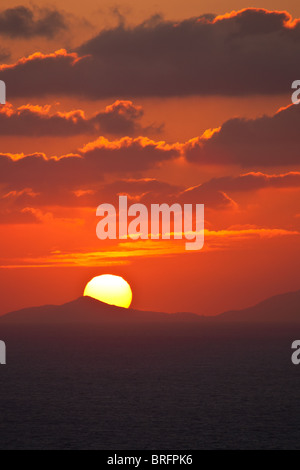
(262, 142)
(141, 189)
(218, 191)
(129, 155)
(25, 23)
(201, 55)
(138, 190)
(88, 167)
(25, 205)
(4, 54)
(205, 195)
(151, 191)
(120, 118)
(252, 182)
(37, 121)
(251, 51)
(144, 191)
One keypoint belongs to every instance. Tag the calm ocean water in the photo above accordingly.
(152, 388)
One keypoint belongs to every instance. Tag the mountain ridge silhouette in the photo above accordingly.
(282, 308)
(88, 310)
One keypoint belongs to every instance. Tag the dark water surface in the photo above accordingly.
(156, 388)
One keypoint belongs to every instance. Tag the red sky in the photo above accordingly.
(96, 109)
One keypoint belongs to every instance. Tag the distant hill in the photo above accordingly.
(284, 309)
(87, 310)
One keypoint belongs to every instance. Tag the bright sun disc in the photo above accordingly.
(112, 290)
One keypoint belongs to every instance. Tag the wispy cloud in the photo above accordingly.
(122, 253)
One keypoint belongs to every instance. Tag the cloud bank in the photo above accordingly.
(252, 51)
(261, 142)
(120, 118)
(25, 23)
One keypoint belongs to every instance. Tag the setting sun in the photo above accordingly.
(113, 290)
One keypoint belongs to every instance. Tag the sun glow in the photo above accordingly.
(112, 290)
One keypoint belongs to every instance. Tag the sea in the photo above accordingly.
(149, 387)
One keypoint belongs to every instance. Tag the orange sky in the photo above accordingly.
(247, 173)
